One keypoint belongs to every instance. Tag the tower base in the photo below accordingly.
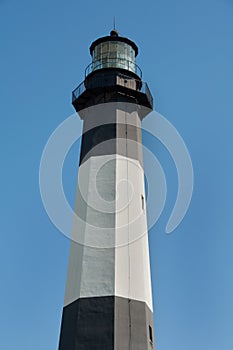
(106, 323)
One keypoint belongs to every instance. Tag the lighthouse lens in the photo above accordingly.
(114, 54)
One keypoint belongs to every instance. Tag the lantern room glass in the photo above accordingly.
(113, 54)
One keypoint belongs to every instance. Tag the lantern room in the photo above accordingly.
(114, 51)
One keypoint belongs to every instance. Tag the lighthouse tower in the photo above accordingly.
(108, 300)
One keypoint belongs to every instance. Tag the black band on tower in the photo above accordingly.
(109, 323)
(111, 139)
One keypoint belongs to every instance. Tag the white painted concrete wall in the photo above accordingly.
(114, 256)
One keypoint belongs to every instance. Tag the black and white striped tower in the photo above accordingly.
(108, 301)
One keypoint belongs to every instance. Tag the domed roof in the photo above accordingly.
(114, 36)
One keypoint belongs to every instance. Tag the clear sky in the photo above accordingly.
(186, 54)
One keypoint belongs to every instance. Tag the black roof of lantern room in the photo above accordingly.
(114, 36)
(111, 78)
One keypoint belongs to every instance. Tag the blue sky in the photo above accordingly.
(186, 55)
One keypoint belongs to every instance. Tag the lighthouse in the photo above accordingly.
(108, 297)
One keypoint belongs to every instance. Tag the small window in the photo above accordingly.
(143, 202)
(150, 334)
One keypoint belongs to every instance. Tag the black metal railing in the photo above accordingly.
(78, 91)
(138, 86)
(121, 63)
(145, 89)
